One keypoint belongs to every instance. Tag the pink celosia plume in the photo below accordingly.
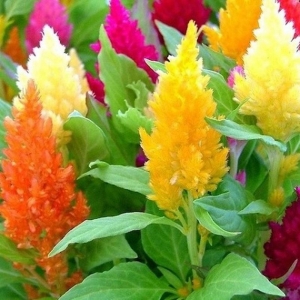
(47, 12)
(292, 13)
(126, 38)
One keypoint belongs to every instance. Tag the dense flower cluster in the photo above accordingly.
(236, 28)
(184, 152)
(272, 95)
(40, 204)
(51, 13)
(59, 84)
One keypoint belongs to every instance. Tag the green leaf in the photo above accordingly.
(9, 251)
(171, 278)
(126, 177)
(109, 226)
(234, 276)
(215, 5)
(117, 73)
(88, 141)
(222, 209)
(133, 120)
(123, 153)
(14, 291)
(258, 207)
(156, 65)
(5, 110)
(208, 222)
(243, 132)
(222, 94)
(127, 281)
(172, 37)
(166, 246)
(9, 275)
(8, 70)
(100, 251)
(17, 7)
(213, 60)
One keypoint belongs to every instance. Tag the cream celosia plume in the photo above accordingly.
(270, 88)
(58, 83)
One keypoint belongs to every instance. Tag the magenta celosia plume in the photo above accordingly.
(177, 14)
(126, 38)
(292, 13)
(283, 248)
(52, 13)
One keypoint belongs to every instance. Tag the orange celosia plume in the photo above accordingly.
(40, 204)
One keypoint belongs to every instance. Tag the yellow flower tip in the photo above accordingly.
(184, 152)
(197, 283)
(183, 292)
(236, 28)
(271, 84)
(58, 77)
(277, 197)
(288, 165)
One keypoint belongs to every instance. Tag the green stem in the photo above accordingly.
(202, 247)
(191, 234)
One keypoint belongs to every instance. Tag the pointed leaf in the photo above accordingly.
(17, 7)
(258, 207)
(243, 132)
(5, 110)
(100, 251)
(87, 143)
(127, 281)
(109, 226)
(126, 177)
(234, 276)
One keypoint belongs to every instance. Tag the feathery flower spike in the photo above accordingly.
(51, 13)
(236, 28)
(126, 38)
(177, 14)
(270, 86)
(184, 152)
(13, 47)
(59, 84)
(283, 248)
(40, 204)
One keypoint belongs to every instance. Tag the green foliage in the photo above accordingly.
(122, 80)
(220, 213)
(17, 7)
(100, 251)
(9, 251)
(234, 276)
(126, 177)
(166, 246)
(87, 141)
(243, 132)
(5, 110)
(109, 226)
(132, 281)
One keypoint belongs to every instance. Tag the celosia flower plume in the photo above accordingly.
(51, 13)
(13, 47)
(292, 13)
(283, 248)
(236, 28)
(270, 88)
(184, 152)
(59, 84)
(126, 38)
(40, 204)
(177, 14)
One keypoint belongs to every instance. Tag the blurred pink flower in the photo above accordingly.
(47, 12)
(233, 71)
(126, 38)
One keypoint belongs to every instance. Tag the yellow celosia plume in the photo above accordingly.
(270, 88)
(184, 152)
(237, 23)
(58, 83)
